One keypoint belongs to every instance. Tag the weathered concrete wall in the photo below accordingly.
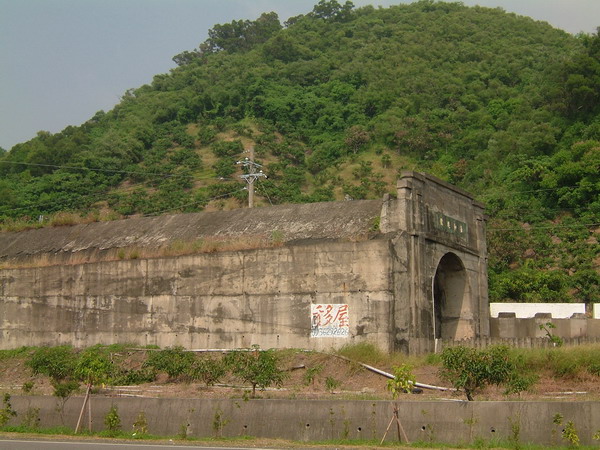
(575, 327)
(424, 277)
(219, 300)
(448, 422)
(442, 246)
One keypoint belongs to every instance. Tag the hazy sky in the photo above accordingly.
(61, 61)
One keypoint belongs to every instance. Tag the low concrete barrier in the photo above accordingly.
(576, 327)
(528, 310)
(452, 422)
(524, 342)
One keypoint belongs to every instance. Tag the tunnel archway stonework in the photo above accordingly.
(441, 256)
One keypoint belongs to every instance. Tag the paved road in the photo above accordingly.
(23, 444)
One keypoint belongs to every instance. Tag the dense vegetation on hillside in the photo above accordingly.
(335, 103)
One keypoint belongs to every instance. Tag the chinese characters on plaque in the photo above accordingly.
(329, 320)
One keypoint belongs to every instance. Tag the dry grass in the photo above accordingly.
(60, 219)
(10, 225)
(176, 248)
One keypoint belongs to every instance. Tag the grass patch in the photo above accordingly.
(367, 353)
(59, 431)
(563, 362)
(363, 352)
(283, 443)
(15, 353)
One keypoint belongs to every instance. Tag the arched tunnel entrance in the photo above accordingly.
(451, 306)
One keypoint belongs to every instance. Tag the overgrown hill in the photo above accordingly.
(335, 102)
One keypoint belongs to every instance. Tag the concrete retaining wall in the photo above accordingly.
(573, 328)
(540, 342)
(448, 422)
(219, 300)
(312, 277)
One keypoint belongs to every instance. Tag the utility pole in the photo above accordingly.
(251, 176)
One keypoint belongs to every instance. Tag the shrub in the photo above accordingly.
(112, 420)
(224, 149)
(207, 369)
(140, 426)
(570, 435)
(206, 135)
(403, 380)
(173, 361)
(470, 370)
(258, 368)
(311, 373)
(28, 387)
(331, 384)
(31, 419)
(6, 413)
(57, 363)
(95, 365)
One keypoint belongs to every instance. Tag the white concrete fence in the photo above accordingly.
(529, 310)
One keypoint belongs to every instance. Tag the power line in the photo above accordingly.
(190, 204)
(128, 172)
(266, 195)
(83, 197)
(543, 227)
(87, 198)
(115, 190)
(132, 189)
(539, 190)
(505, 192)
(246, 177)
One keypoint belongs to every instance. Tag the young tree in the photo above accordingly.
(94, 366)
(258, 368)
(57, 363)
(403, 381)
(470, 370)
(209, 370)
(174, 361)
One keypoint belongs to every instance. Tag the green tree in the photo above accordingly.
(6, 413)
(333, 10)
(403, 381)
(174, 361)
(240, 35)
(425, 80)
(471, 370)
(356, 138)
(208, 370)
(255, 367)
(94, 365)
(581, 78)
(58, 363)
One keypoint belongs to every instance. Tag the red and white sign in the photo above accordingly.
(329, 320)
